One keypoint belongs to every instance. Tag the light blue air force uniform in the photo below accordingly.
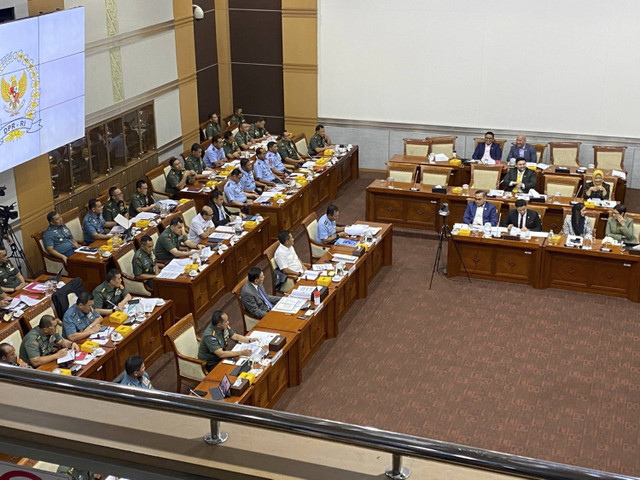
(263, 171)
(91, 224)
(234, 191)
(213, 155)
(275, 161)
(247, 182)
(326, 228)
(75, 321)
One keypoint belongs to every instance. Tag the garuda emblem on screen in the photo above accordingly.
(20, 89)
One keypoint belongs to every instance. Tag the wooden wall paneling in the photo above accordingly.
(207, 63)
(36, 7)
(208, 92)
(225, 82)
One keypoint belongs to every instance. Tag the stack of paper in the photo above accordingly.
(322, 266)
(310, 275)
(303, 292)
(288, 305)
(29, 301)
(144, 216)
(356, 230)
(224, 229)
(264, 338)
(340, 257)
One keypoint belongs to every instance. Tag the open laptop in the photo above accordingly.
(58, 275)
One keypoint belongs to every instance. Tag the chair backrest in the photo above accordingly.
(565, 185)
(33, 315)
(416, 147)
(248, 321)
(72, 220)
(540, 210)
(184, 342)
(445, 145)
(540, 148)
(166, 169)
(402, 172)
(592, 215)
(485, 177)
(269, 253)
(234, 131)
(123, 257)
(311, 229)
(12, 335)
(611, 158)
(435, 175)
(51, 264)
(611, 181)
(499, 141)
(189, 214)
(300, 141)
(565, 153)
(636, 224)
(157, 178)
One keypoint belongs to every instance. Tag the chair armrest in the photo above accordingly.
(197, 361)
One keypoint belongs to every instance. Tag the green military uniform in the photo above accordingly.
(167, 241)
(316, 142)
(212, 129)
(106, 296)
(9, 275)
(230, 148)
(144, 264)
(75, 474)
(213, 339)
(257, 132)
(194, 163)
(242, 138)
(287, 149)
(174, 177)
(113, 209)
(37, 344)
(235, 119)
(137, 201)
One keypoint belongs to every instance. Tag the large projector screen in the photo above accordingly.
(546, 65)
(41, 85)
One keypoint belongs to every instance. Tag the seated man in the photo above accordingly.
(110, 296)
(80, 320)
(519, 179)
(113, 207)
(213, 127)
(480, 211)
(237, 117)
(523, 150)
(221, 215)
(255, 301)
(135, 374)
(11, 280)
(230, 147)
(257, 131)
(274, 161)
(201, 225)
(43, 344)
(263, 171)
(242, 138)
(172, 240)
(288, 151)
(194, 161)
(488, 150)
(144, 262)
(234, 191)
(8, 356)
(523, 218)
(213, 346)
(93, 223)
(327, 231)
(214, 156)
(286, 257)
(57, 238)
(141, 201)
(319, 142)
(248, 182)
(178, 177)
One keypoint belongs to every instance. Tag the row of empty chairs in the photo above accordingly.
(564, 154)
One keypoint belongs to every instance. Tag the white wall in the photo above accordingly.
(543, 66)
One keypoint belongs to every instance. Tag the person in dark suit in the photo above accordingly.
(221, 215)
(597, 188)
(523, 149)
(254, 299)
(488, 149)
(523, 218)
(480, 211)
(519, 179)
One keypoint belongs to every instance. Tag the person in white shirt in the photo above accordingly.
(201, 225)
(286, 257)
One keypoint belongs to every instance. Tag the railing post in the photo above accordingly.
(215, 437)
(397, 471)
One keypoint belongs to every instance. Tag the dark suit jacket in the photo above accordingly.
(532, 220)
(528, 178)
(216, 215)
(495, 152)
(529, 153)
(253, 302)
(489, 215)
(599, 195)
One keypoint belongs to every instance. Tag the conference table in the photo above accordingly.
(539, 263)
(305, 336)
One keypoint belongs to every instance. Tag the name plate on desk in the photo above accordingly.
(563, 170)
(438, 190)
(537, 200)
(277, 343)
(511, 237)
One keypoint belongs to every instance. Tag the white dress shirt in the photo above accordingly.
(487, 154)
(286, 257)
(477, 220)
(198, 226)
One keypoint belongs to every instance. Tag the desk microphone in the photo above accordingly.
(578, 192)
(499, 219)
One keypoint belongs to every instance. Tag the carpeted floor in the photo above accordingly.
(549, 374)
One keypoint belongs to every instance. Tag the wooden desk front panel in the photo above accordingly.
(404, 208)
(92, 271)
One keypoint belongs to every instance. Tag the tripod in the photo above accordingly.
(445, 232)
(16, 249)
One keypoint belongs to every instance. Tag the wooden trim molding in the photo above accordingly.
(300, 67)
(299, 13)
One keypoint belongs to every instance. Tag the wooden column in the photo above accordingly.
(223, 43)
(186, 60)
(300, 58)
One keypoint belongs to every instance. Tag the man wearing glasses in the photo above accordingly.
(488, 150)
(43, 344)
(113, 207)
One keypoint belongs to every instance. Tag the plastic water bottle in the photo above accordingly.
(316, 297)
(140, 313)
(550, 237)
